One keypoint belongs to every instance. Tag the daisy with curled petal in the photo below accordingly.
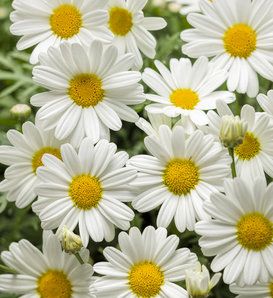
(259, 290)
(147, 265)
(185, 89)
(180, 175)
(50, 22)
(254, 156)
(50, 273)
(236, 34)
(23, 158)
(240, 235)
(266, 103)
(90, 90)
(131, 29)
(88, 188)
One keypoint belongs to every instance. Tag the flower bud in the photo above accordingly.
(71, 242)
(232, 131)
(20, 111)
(198, 281)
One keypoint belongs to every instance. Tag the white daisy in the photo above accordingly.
(180, 175)
(86, 188)
(240, 234)
(254, 156)
(237, 34)
(23, 158)
(259, 290)
(90, 90)
(50, 22)
(131, 29)
(51, 273)
(185, 89)
(147, 265)
(266, 103)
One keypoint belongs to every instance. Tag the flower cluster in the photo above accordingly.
(207, 165)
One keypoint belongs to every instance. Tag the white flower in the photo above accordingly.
(90, 90)
(259, 290)
(50, 22)
(23, 158)
(51, 273)
(254, 156)
(186, 89)
(180, 175)
(198, 281)
(236, 34)
(189, 6)
(266, 103)
(131, 28)
(147, 265)
(241, 231)
(86, 188)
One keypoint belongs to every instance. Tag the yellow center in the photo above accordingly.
(240, 40)
(86, 90)
(120, 21)
(66, 21)
(146, 279)
(37, 156)
(181, 176)
(85, 191)
(184, 98)
(54, 284)
(271, 289)
(249, 148)
(254, 231)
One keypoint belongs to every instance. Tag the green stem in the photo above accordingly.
(79, 258)
(233, 168)
(6, 269)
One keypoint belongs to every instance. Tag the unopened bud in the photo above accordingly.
(198, 281)
(71, 242)
(232, 131)
(20, 111)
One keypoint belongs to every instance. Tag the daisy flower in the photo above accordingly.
(90, 90)
(254, 156)
(236, 34)
(23, 158)
(259, 290)
(180, 175)
(50, 273)
(86, 188)
(50, 22)
(131, 29)
(240, 234)
(147, 265)
(185, 89)
(266, 103)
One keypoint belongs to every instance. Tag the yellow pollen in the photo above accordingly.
(254, 231)
(85, 191)
(146, 279)
(240, 40)
(37, 156)
(120, 21)
(86, 90)
(184, 98)
(249, 148)
(181, 176)
(66, 21)
(54, 284)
